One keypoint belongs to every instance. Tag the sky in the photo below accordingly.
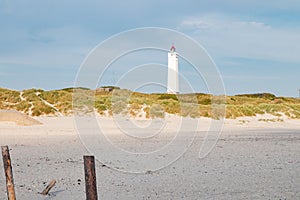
(254, 44)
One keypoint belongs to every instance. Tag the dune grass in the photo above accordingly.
(153, 105)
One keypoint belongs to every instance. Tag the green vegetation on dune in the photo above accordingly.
(9, 96)
(60, 99)
(32, 101)
(39, 102)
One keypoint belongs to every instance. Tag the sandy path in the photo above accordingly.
(49, 104)
(248, 162)
(31, 104)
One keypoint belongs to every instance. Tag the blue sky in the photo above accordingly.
(255, 44)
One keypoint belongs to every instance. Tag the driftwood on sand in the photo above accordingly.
(48, 188)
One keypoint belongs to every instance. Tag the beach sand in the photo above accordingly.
(252, 159)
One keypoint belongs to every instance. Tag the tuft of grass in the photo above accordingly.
(11, 96)
(42, 109)
(258, 95)
(156, 111)
(168, 96)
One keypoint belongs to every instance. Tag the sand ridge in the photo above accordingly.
(19, 118)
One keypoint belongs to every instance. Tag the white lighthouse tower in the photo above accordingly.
(172, 71)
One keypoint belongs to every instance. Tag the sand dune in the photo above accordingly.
(20, 119)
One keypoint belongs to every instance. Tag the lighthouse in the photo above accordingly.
(172, 71)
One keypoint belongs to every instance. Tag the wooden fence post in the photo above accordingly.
(90, 178)
(10, 187)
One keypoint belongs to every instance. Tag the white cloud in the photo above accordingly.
(253, 24)
(216, 22)
(249, 77)
(195, 23)
(229, 37)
